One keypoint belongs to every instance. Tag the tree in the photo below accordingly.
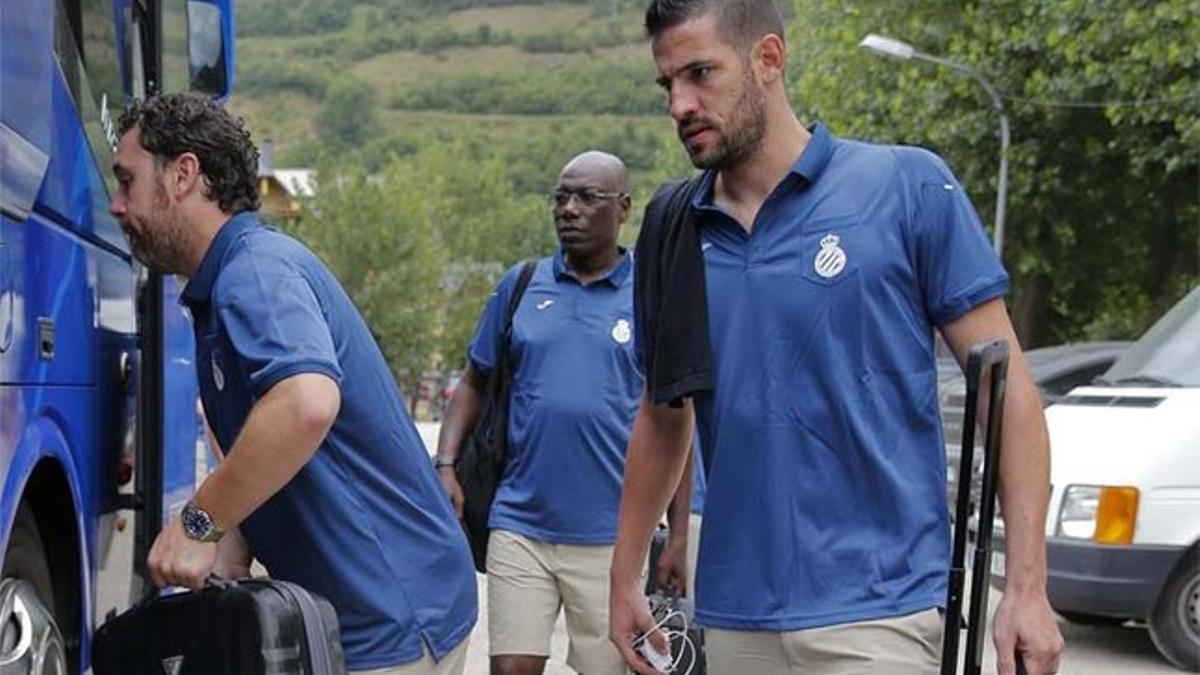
(347, 117)
(419, 245)
(1104, 216)
(376, 235)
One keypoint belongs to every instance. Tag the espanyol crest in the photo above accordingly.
(621, 332)
(218, 376)
(831, 259)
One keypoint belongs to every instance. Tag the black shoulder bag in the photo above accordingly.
(481, 459)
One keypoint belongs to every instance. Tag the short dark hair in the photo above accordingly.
(742, 22)
(172, 124)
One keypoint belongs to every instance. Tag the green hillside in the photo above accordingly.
(531, 83)
(445, 123)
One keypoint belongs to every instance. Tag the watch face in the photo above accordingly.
(196, 522)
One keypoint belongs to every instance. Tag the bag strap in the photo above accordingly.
(514, 301)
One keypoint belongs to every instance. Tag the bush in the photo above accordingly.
(292, 17)
(260, 78)
(590, 88)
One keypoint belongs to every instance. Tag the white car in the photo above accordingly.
(1123, 527)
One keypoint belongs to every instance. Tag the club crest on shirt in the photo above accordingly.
(831, 259)
(218, 376)
(622, 332)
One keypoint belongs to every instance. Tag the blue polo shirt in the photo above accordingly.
(699, 482)
(366, 522)
(576, 387)
(826, 473)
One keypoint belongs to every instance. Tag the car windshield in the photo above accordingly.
(1168, 355)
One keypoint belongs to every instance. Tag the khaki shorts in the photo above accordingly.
(452, 663)
(904, 645)
(528, 581)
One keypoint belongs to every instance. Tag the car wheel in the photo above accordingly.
(30, 639)
(1175, 624)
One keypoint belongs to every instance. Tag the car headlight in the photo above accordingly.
(1105, 514)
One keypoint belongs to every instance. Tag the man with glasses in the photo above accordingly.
(576, 386)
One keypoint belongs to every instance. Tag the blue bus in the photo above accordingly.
(97, 387)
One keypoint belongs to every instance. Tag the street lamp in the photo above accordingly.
(885, 46)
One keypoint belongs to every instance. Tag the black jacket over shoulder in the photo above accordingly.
(670, 297)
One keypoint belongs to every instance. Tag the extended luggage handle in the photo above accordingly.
(992, 357)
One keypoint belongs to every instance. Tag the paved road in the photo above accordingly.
(1090, 651)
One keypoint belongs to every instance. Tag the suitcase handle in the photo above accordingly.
(991, 356)
(219, 582)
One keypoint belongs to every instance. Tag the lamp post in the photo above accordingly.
(885, 46)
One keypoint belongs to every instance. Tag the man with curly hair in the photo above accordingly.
(324, 474)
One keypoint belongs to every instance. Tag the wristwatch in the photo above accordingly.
(198, 525)
(444, 460)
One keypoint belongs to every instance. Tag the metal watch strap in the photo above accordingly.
(198, 525)
(444, 460)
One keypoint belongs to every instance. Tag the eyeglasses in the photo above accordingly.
(587, 196)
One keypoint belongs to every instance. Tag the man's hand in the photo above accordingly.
(670, 572)
(1024, 624)
(453, 489)
(629, 617)
(176, 560)
(233, 556)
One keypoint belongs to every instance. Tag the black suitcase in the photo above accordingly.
(993, 357)
(246, 627)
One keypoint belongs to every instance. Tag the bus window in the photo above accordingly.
(86, 46)
(176, 63)
(206, 48)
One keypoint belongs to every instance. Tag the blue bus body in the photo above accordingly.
(71, 339)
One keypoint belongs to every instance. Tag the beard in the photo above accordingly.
(742, 133)
(162, 246)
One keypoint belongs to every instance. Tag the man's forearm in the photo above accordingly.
(1024, 448)
(461, 413)
(658, 451)
(1024, 487)
(282, 432)
(681, 503)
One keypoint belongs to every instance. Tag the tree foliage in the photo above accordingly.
(1103, 226)
(419, 244)
(585, 88)
(347, 118)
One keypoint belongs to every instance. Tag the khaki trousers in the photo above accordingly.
(451, 664)
(904, 645)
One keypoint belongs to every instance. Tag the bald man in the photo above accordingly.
(576, 386)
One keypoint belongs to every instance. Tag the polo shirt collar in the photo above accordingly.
(808, 166)
(615, 277)
(199, 287)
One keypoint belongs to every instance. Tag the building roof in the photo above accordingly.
(297, 182)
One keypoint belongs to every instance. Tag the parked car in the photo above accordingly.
(1056, 371)
(1123, 527)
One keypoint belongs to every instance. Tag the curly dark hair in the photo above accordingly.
(172, 124)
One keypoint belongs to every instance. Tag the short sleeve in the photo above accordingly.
(274, 321)
(957, 267)
(485, 344)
